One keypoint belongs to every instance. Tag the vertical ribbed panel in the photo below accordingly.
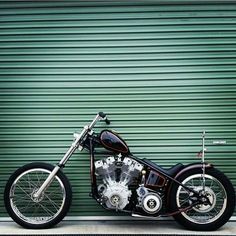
(163, 73)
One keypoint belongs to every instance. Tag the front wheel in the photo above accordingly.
(37, 213)
(207, 216)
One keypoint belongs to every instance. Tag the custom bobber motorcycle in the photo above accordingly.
(198, 196)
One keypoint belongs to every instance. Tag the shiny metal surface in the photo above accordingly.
(36, 210)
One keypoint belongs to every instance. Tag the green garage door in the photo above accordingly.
(162, 71)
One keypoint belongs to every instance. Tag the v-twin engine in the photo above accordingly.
(117, 174)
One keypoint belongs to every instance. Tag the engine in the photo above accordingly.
(117, 174)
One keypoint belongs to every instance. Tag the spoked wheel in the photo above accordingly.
(219, 204)
(44, 211)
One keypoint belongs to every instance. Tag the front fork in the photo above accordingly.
(60, 165)
(76, 144)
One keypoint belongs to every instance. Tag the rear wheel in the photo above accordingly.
(36, 213)
(210, 215)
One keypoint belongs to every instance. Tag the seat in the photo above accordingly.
(170, 172)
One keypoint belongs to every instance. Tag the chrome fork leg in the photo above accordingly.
(46, 182)
(61, 164)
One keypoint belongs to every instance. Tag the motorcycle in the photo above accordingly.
(198, 196)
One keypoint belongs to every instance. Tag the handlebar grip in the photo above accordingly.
(107, 121)
(104, 116)
(101, 114)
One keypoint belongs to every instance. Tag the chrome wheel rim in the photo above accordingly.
(43, 209)
(203, 213)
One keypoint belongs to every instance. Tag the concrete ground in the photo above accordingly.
(114, 227)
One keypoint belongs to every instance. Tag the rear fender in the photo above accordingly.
(191, 166)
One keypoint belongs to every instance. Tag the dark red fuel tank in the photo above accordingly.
(113, 142)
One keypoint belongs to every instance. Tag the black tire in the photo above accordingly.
(60, 182)
(208, 226)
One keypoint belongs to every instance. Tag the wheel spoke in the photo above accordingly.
(214, 191)
(35, 210)
(25, 207)
(29, 182)
(52, 202)
(22, 198)
(40, 210)
(219, 192)
(184, 201)
(23, 190)
(46, 209)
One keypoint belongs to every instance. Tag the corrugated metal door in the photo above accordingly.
(163, 72)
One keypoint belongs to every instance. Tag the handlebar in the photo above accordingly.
(104, 117)
(87, 129)
(98, 117)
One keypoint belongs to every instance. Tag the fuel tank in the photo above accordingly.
(113, 142)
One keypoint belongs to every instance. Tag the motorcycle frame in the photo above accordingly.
(93, 178)
(90, 147)
(94, 192)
